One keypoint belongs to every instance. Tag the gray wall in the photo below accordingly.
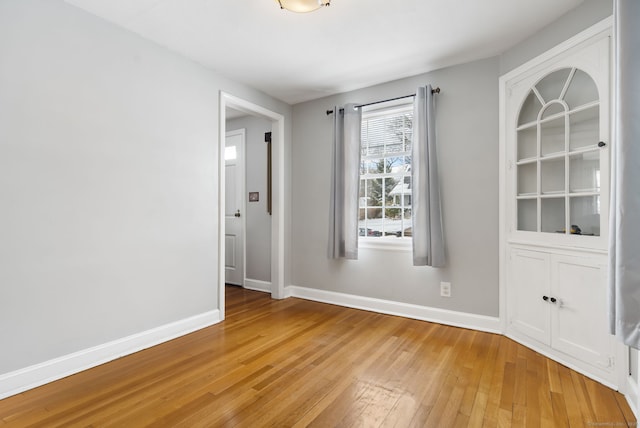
(468, 153)
(568, 25)
(467, 127)
(108, 182)
(258, 220)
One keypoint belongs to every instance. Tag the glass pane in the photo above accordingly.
(362, 194)
(528, 215)
(552, 109)
(584, 127)
(528, 179)
(407, 162)
(400, 194)
(552, 175)
(376, 166)
(585, 215)
(395, 165)
(527, 143)
(374, 192)
(390, 185)
(584, 172)
(582, 90)
(551, 86)
(395, 147)
(374, 222)
(552, 136)
(375, 149)
(552, 215)
(530, 109)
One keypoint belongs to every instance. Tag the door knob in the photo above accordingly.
(237, 214)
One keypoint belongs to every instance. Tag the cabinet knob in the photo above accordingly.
(553, 300)
(545, 298)
(602, 144)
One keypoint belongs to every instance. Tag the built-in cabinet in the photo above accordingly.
(555, 138)
(558, 299)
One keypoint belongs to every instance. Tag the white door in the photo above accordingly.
(234, 209)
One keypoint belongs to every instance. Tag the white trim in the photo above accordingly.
(385, 243)
(407, 310)
(631, 387)
(257, 285)
(631, 394)
(39, 374)
(566, 360)
(526, 68)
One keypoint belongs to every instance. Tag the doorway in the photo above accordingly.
(276, 286)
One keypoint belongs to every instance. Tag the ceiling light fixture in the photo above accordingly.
(302, 6)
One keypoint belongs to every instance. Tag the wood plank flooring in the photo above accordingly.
(296, 363)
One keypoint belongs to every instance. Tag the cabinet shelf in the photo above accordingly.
(554, 155)
(552, 117)
(583, 107)
(527, 125)
(590, 192)
(526, 161)
(585, 149)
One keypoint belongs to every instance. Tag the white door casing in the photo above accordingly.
(234, 209)
(280, 170)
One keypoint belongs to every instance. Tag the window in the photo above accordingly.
(385, 174)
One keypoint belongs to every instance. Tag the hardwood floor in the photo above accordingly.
(296, 363)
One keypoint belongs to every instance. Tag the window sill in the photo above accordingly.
(387, 244)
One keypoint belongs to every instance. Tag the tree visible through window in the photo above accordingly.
(385, 172)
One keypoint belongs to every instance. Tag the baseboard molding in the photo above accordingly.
(39, 374)
(257, 285)
(407, 310)
(631, 394)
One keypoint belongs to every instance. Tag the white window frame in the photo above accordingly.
(389, 243)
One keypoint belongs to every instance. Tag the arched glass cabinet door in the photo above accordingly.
(557, 156)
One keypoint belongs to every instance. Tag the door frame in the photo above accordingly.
(278, 193)
(242, 160)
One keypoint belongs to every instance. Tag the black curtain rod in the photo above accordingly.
(433, 91)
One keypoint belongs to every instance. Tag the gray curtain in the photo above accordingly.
(426, 215)
(345, 182)
(624, 248)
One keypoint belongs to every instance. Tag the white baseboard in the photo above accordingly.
(257, 285)
(631, 394)
(39, 374)
(407, 310)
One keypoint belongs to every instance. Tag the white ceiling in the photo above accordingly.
(351, 44)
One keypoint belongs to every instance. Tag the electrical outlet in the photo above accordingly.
(445, 289)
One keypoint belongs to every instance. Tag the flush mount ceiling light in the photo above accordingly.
(302, 6)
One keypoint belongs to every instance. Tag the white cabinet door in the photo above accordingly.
(579, 316)
(528, 285)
